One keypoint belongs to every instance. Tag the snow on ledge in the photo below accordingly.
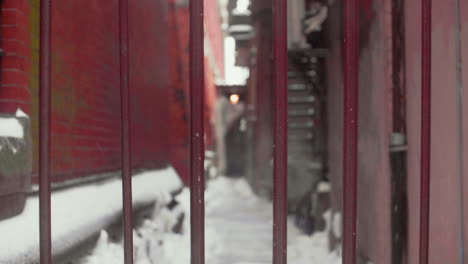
(79, 213)
(10, 127)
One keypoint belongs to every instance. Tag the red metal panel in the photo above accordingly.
(350, 134)
(197, 155)
(149, 83)
(85, 85)
(426, 56)
(44, 143)
(280, 128)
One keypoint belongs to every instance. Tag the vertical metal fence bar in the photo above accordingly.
(197, 146)
(460, 130)
(425, 130)
(44, 133)
(350, 136)
(125, 133)
(280, 147)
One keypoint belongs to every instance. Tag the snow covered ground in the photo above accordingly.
(78, 213)
(238, 231)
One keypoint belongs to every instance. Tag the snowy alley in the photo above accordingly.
(238, 231)
(233, 132)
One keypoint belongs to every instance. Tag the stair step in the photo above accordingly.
(301, 112)
(302, 99)
(303, 137)
(298, 74)
(297, 86)
(315, 52)
(308, 124)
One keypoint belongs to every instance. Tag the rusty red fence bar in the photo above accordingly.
(460, 130)
(280, 144)
(125, 133)
(44, 134)
(197, 146)
(350, 135)
(425, 130)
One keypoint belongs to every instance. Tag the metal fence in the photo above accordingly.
(197, 183)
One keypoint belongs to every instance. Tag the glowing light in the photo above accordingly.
(234, 98)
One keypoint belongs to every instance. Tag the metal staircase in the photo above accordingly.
(306, 134)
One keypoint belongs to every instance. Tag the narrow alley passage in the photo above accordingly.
(242, 223)
(238, 231)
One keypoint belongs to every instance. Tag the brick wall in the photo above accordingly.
(15, 89)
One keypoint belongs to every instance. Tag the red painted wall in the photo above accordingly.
(85, 89)
(375, 126)
(444, 216)
(149, 78)
(86, 98)
(86, 58)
